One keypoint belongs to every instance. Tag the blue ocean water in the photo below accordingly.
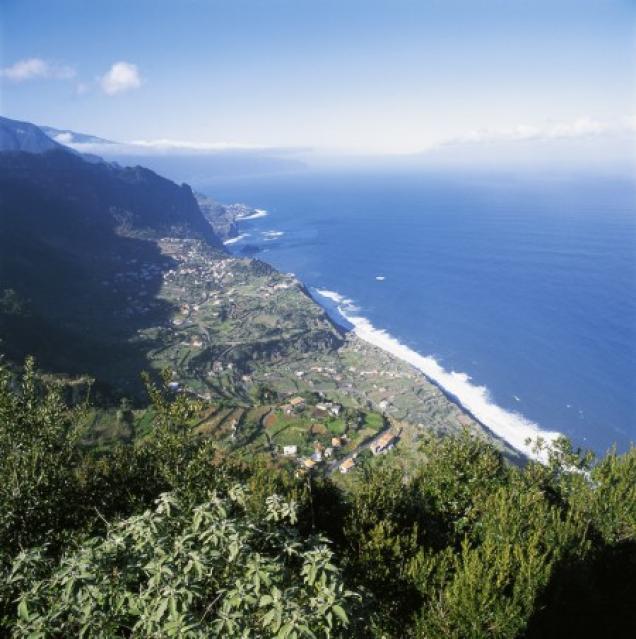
(527, 285)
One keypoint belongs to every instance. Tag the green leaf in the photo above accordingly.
(268, 618)
(23, 610)
(161, 609)
(341, 614)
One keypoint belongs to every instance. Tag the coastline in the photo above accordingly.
(511, 427)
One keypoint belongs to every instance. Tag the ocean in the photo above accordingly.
(515, 294)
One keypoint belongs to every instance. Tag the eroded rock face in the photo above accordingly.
(222, 218)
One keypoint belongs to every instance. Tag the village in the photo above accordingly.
(238, 327)
(313, 435)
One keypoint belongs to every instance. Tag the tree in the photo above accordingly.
(38, 458)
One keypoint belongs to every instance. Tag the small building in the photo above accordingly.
(328, 452)
(347, 465)
(335, 409)
(383, 443)
(336, 442)
(297, 403)
(317, 456)
(290, 451)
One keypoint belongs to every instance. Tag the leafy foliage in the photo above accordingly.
(38, 456)
(173, 536)
(183, 571)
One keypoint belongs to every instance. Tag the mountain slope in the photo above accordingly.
(66, 136)
(69, 231)
(111, 271)
(24, 136)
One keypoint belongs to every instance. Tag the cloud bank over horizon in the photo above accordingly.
(397, 77)
(582, 128)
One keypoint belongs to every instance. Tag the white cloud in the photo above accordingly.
(66, 137)
(630, 123)
(163, 147)
(122, 76)
(185, 145)
(36, 68)
(549, 130)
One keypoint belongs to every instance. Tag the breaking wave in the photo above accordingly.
(511, 426)
(238, 238)
(253, 216)
(272, 235)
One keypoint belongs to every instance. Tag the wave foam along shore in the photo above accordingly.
(253, 216)
(238, 238)
(272, 235)
(510, 426)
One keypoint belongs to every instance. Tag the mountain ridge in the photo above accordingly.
(66, 136)
(67, 225)
(16, 135)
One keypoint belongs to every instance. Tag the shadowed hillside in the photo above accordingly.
(79, 266)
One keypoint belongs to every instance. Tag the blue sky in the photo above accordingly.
(379, 77)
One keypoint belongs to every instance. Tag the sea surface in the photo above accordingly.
(518, 294)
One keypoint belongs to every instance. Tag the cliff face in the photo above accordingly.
(222, 218)
(97, 196)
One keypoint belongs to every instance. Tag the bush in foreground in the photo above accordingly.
(183, 571)
(462, 545)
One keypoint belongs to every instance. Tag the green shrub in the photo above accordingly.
(184, 571)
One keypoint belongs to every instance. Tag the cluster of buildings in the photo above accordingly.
(380, 445)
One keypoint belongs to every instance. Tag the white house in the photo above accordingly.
(335, 409)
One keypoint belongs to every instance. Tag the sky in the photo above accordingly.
(364, 77)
